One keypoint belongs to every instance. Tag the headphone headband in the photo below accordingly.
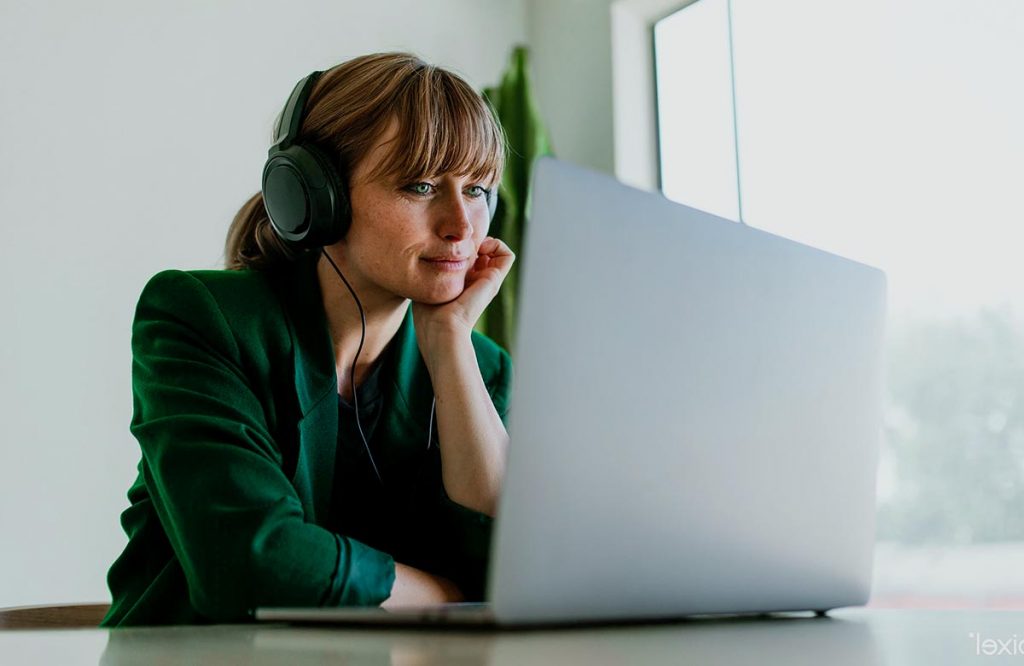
(291, 117)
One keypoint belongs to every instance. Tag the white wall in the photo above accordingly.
(570, 42)
(132, 133)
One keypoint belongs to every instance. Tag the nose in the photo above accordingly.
(455, 224)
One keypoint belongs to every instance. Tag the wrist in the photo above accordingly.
(446, 343)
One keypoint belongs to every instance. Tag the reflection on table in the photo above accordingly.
(858, 637)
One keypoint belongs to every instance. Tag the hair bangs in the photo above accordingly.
(443, 126)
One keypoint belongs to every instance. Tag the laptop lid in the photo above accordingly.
(696, 416)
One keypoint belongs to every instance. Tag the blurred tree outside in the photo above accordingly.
(955, 431)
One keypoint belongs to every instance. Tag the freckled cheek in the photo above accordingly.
(479, 234)
(394, 238)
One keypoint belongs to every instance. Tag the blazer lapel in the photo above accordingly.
(316, 387)
(411, 391)
(407, 392)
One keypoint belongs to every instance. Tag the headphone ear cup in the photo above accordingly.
(305, 198)
(334, 227)
(492, 203)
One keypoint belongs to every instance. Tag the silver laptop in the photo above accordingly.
(695, 425)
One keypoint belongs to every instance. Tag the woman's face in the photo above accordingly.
(415, 240)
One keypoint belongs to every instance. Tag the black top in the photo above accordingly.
(388, 516)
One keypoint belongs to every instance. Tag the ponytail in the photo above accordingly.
(251, 241)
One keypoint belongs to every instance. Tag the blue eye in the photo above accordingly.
(480, 191)
(420, 188)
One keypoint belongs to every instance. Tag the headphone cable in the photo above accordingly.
(352, 374)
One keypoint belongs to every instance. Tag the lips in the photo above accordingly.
(448, 263)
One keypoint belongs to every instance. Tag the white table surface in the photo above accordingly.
(860, 637)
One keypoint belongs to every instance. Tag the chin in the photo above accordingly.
(435, 298)
(437, 294)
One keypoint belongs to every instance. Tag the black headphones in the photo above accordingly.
(305, 195)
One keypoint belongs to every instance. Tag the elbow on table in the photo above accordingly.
(219, 597)
(227, 583)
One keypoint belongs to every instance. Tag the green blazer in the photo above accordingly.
(236, 414)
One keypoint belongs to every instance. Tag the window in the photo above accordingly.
(890, 132)
(695, 110)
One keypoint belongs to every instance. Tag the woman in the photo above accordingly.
(321, 425)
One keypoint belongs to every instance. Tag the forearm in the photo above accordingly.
(414, 587)
(472, 437)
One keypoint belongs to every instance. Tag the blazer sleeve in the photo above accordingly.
(469, 531)
(215, 474)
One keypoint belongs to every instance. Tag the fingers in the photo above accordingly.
(494, 247)
(494, 253)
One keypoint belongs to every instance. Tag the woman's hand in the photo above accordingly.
(458, 317)
(415, 587)
(471, 435)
